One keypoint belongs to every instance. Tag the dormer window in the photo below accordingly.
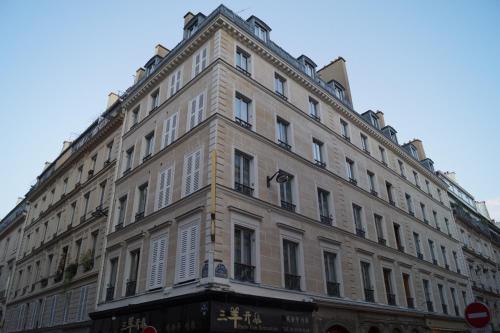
(191, 29)
(414, 152)
(393, 136)
(309, 70)
(339, 91)
(260, 32)
(374, 121)
(151, 67)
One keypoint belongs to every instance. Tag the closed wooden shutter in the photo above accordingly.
(157, 260)
(170, 130)
(187, 253)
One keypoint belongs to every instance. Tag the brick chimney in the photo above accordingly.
(417, 143)
(188, 17)
(139, 74)
(112, 98)
(381, 119)
(161, 50)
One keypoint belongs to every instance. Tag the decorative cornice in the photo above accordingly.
(245, 212)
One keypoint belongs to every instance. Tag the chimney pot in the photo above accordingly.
(112, 98)
(381, 118)
(417, 143)
(161, 50)
(187, 18)
(66, 144)
(139, 74)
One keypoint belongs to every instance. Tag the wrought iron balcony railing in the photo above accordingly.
(292, 282)
(243, 272)
(382, 241)
(243, 123)
(410, 302)
(130, 288)
(360, 232)
(288, 206)
(369, 295)
(391, 299)
(243, 188)
(284, 144)
(333, 288)
(326, 220)
(110, 293)
(430, 306)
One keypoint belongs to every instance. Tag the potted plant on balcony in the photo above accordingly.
(70, 271)
(87, 261)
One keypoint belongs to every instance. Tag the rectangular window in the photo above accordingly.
(164, 192)
(82, 305)
(397, 235)
(280, 85)
(52, 314)
(390, 197)
(439, 195)
(364, 144)
(155, 100)
(427, 185)
(242, 111)
(406, 285)
(318, 153)
(109, 146)
(67, 303)
(170, 130)
(282, 129)
(72, 214)
(65, 186)
(442, 297)
(113, 272)
(291, 264)
(131, 286)
(436, 222)
(409, 204)
(324, 209)
(192, 172)
(196, 111)
(455, 259)
(379, 229)
(427, 294)
(415, 177)
(175, 82)
(260, 32)
(313, 109)
(157, 260)
(286, 194)
(86, 200)
(93, 162)
(187, 253)
(148, 146)
(358, 220)
(371, 182)
(454, 300)
(391, 297)
(367, 282)
(332, 282)
(447, 224)
(445, 259)
(243, 61)
(339, 91)
(431, 250)
(122, 206)
(350, 171)
(142, 197)
(200, 61)
(244, 256)
(424, 214)
(128, 159)
(134, 117)
(402, 169)
(309, 70)
(78, 177)
(243, 173)
(344, 130)
(383, 156)
(102, 192)
(418, 250)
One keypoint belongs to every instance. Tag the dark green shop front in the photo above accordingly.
(207, 312)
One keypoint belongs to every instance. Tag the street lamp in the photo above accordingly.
(281, 177)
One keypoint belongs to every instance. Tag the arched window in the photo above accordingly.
(337, 329)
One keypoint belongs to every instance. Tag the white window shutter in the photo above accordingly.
(204, 54)
(193, 252)
(196, 170)
(160, 272)
(187, 253)
(197, 63)
(168, 187)
(160, 198)
(172, 85)
(192, 114)
(199, 111)
(173, 128)
(188, 170)
(166, 131)
(182, 255)
(178, 80)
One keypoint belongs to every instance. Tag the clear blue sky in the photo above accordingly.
(433, 68)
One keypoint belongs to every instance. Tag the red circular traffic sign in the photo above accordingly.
(149, 329)
(477, 315)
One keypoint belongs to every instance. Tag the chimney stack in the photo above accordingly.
(66, 144)
(112, 98)
(139, 74)
(19, 199)
(46, 165)
(481, 207)
(188, 17)
(452, 175)
(420, 148)
(161, 50)
(381, 119)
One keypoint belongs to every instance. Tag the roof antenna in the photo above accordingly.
(241, 11)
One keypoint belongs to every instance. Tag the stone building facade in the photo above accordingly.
(54, 284)
(480, 239)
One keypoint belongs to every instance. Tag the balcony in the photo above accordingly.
(457, 312)
(281, 95)
(369, 295)
(445, 308)
(353, 181)
(130, 288)
(243, 70)
(384, 163)
(430, 306)
(110, 293)
(420, 255)
(147, 157)
(447, 266)
(288, 206)
(244, 273)
(401, 248)
(366, 151)
(139, 216)
(321, 164)
(392, 203)
(243, 123)
(410, 302)
(107, 162)
(91, 173)
(346, 138)
(292, 282)
(434, 261)
(284, 144)
(360, 232)
(82, 219)
(315, 117)
(44, 282)
(326, 219)
(382, 241)
(391, 299)
(119, 226)
(127, 170)
(333, 288)
(374, 193)
(426, 221)
(247, 190)
(412, 213)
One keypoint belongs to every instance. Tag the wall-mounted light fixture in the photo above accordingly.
(281, 177)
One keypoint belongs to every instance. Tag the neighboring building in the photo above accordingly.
(480, 239)
(250, 194)
(11, 228)
(54, 286)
